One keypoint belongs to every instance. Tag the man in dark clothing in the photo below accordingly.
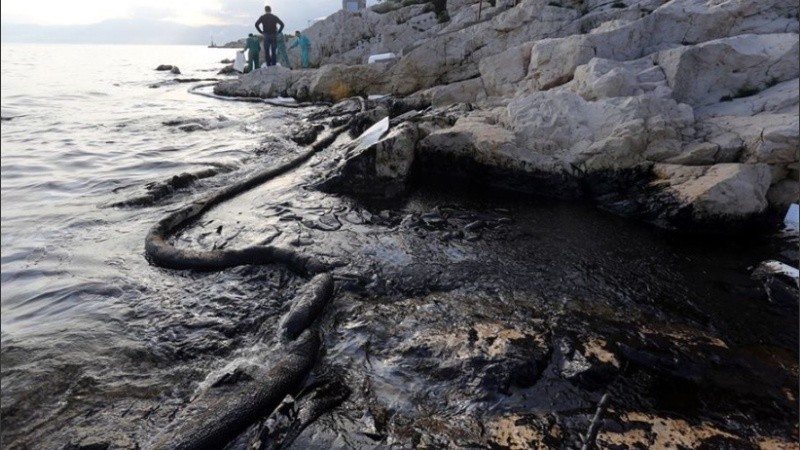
(268, 26)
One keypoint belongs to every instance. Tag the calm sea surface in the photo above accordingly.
(98, 344)
(82, 128)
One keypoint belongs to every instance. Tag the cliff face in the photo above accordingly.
(702, 95)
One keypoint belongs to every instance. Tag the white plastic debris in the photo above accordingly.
(377, 96)
(792, 220)
(373, 133)
(381, 57)
(777, 268)
(239, 64)
(281, 101)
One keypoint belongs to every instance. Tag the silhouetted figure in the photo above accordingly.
(268, 25)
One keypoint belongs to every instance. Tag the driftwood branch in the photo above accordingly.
(594, 425)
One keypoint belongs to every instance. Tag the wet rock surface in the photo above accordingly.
(180, 80)
(377, 170)
(463, 317)
(467, 317)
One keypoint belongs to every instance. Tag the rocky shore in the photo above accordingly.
(683, 113)
(391, 263)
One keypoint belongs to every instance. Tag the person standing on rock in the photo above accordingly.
(271, 27)
(305, 46)
(253, 47)
(283, 57)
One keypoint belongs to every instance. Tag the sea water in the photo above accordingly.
(83, 127)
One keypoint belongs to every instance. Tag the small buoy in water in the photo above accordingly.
(792, 220)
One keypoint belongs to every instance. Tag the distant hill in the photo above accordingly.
(123, 32)
(233, 44)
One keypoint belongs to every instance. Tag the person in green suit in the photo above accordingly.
(305, 46)
(253, 47)
(283, 57)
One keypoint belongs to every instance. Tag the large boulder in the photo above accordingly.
(765, 138)
(329, 83)
(469, 91)
(609, 134)
(480, 149)
(265, 82)
(336, 82)
(718, 192)
(378, 169)
(782, 98)
(759, 61)
(679, 22)
(502, 72)
(758, 128)
(605, 78)
(784, 193)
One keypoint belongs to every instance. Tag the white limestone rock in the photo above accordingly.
(687, 22)
(784, 193)
(759, 128)
(332, 82)
(465, 14)
(535, 19)
(454, 56)
(699, 154)
(721, 191)
(350, 37)
(379, 169)
(479, 138)
(469, 91)
(264, 82)
(587, 86)
(336, 82)
(502, 72)
(696, 76)
(679, 22)
(764, 138)
(613, 133)
(601, 15)
(604, 78)
(782, 98)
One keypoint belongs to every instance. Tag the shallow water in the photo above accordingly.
(80, 304)
(457, 307)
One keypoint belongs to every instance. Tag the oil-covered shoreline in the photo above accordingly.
(463, 316)
(470, 317)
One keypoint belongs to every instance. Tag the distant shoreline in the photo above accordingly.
(228, 45)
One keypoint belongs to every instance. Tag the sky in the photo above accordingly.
(296, 14)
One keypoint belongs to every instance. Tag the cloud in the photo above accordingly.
(236, 12)
(150, 12)
(295, 15)
(220, 16)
